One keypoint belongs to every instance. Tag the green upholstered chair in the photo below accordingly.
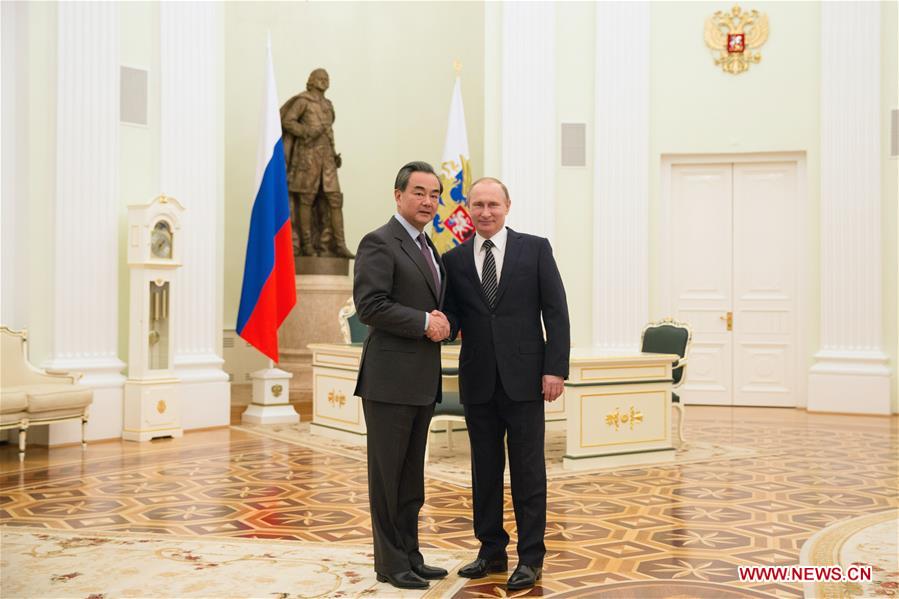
(351, 328)
(669, 336)
(449, 410)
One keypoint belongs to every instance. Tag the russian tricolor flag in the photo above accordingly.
(269, 287)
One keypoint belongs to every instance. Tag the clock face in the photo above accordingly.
(161, 240)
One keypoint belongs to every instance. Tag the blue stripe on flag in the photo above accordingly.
(270, 210)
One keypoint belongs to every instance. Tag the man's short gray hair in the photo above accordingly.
(405, 173)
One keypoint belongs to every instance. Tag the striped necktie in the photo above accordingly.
(488, 277)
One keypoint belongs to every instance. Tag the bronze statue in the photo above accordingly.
(315, 199)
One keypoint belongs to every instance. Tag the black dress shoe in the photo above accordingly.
(404, 580)
(481, 567)
(524, 577)
(429, 572)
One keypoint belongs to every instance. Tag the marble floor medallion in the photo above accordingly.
(870, 540)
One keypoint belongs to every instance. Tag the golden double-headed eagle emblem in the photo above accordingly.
(734, 36)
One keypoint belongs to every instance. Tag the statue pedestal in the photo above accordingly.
(319, 265)
(312, 320)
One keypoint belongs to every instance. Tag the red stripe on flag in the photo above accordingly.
(276, 300)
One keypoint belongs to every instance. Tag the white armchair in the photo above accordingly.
(30, 396)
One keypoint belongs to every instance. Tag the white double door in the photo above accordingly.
(734, 259)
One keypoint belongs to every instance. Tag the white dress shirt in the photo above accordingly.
(499, 252)
(414, 233)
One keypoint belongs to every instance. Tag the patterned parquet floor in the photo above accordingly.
(642, 532)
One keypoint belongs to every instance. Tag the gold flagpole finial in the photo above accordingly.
(457, 66)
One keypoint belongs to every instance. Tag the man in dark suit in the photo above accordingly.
(501, 284)
(398, 288)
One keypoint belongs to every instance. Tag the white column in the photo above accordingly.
(493, 27)
(621, 175)
(14, 153)
(850, 372)
(191, 170)
(528, 102)
(87, 209)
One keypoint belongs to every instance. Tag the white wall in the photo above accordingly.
(39, 155)
(33, 295)
(575, 84)
(696, 108)
(13, 172)
(391, 68)
(391, 74)
(139, 145)
(889, 68)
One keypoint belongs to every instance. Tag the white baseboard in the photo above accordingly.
(107, 414)
(205, 404)
(847, 393)
(851, 383)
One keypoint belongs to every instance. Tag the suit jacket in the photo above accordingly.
(392, 289)
(509, 338)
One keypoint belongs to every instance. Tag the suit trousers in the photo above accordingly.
(523, 424)
(397, 436)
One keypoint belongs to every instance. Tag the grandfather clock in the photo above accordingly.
(152, 392)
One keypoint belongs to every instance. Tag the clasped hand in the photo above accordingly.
(438, 326)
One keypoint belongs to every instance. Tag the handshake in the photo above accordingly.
(438, 326)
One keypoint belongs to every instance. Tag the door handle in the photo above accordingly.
(730, 320)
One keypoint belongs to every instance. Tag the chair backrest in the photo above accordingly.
(668, 337)
(13, 359)
(351, 328)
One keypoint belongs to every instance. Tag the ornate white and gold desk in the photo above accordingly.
(616, 407)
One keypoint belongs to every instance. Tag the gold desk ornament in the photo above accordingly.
(734, 35)
(617, 419)
(160, 406)
(336, 398)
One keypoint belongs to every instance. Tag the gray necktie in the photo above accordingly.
(488, 278)
(429, 258)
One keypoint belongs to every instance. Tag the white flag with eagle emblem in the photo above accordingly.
(452, 223)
